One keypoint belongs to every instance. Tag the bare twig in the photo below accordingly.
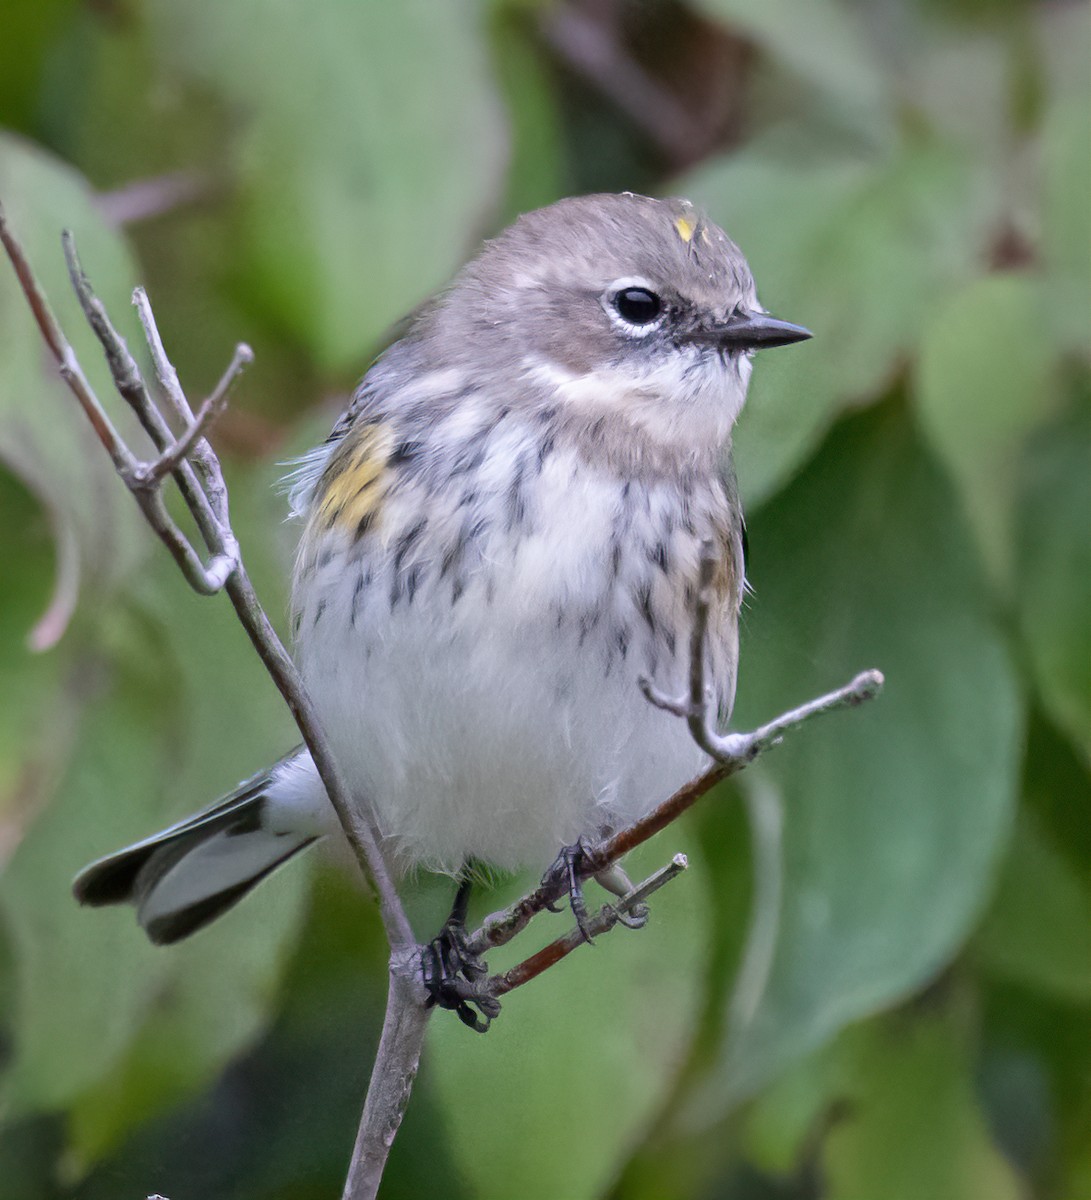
(602, 922)
(216, 402)
(392, 1077)
(591, 49)
(194, 466)
(144, 199)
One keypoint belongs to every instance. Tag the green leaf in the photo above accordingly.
(217, 996)
(1067, 218)
(888, 1111)
(860, 264)
(34, 731)
(536, 172)
(370, 151)
(44, 437)
(1053, 594)
(582, 1056)
(1038, 929)
(895, 814)
(1064, 35)
(218, 990)
(985, 379)
(83, 979)
(30, 28)
(823, 44)
(912, 1126)
(145, 1027)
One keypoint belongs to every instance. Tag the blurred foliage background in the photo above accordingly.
(909, 178)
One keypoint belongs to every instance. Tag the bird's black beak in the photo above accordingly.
(750, 331)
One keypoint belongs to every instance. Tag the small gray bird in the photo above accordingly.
(499, 538)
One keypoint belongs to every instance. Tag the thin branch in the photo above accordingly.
(206, 499)
(216, 402)
(591, 49)
(499, 928)
(67, 362)
(602, 922)
(50, 626)
(196, 469)
(392, 1077)
(143, 199)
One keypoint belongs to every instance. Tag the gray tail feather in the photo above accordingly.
(187, 875)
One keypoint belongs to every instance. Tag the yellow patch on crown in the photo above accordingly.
(351, 490)
(685, 227)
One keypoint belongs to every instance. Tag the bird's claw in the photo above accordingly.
(451, 976)
(565, 876)
(635, 918)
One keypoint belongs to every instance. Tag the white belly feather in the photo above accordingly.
(492, 710)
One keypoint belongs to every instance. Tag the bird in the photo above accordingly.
(500, 539)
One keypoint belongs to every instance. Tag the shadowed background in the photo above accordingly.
(908, 178)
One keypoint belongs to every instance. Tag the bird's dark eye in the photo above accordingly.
(637, 305)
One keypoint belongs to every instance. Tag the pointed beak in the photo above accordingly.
(750, 331)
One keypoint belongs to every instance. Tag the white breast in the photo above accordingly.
(488, 707)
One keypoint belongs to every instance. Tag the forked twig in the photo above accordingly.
(189, 459)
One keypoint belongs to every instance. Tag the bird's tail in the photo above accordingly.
(187, 875)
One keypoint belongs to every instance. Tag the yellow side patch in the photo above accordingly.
(685, 228)
(351, 490)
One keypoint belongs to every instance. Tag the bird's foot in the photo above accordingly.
(453, 975)
(565, 877)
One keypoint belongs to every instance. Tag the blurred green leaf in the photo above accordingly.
(1064, 36)
(911, 1126)
(888, 1111)
(370, 151)
(985, 379)
(30, 29)
(216, 996)
(1054, 581)
(1067, 218)
(860, 264)
(961, 80)
(782, 1126)
(824, 44)
(44, 437)
(161, 1022)
(584, 1055)
(1033, 1080)
(535, 175)
(895, 814)
(1038, 929)
(218, 990)
(33, 732)
(84, 979)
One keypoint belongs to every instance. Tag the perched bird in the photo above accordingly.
(500, 537)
